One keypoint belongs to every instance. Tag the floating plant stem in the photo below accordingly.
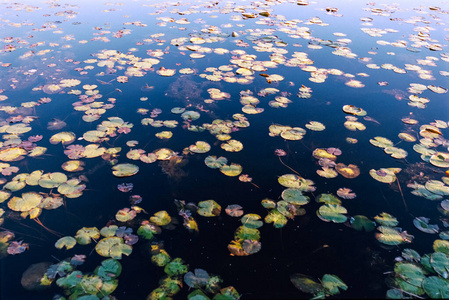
(402, 195)
(46, 228)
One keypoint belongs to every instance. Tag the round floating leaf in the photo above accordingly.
(214, 162)
(200, 147)
(436, 287)
(12, 154)
(290, 180)
(293, 134)
(251, 221)
(386, 219)
(232, 146)
(294, 196)
(68, 242)
(440, 263)
(361, 223)
(125, 170)
(164, 153)
(64, 137)
(190, 115)
(52, 180)
(231, 170)
(383, 175)
(110, 269)
(345, 193)
(333, 284)
(198, 279)
(396, 152)
(381, 142)
(411, 255)
(332, 213)
(73, 166)
(388, 236)
(315, 126)
(234, 210)
(327, 172)
(246, 233)
(349, 171)
(441, 246)
(410, 277)
(161, 218)
(422, 224)
(209, 208)
(125, 215)
(175, 267)
(440, 159)
(328, 199)
(353, 110)
(71, 280)
(323, 153)
(437, 187)
(275, 217)
(164, 135)
(28, 201)
(113, 247)
(306, 284)
(85, 234)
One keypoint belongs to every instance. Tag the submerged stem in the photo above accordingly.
(402, 195)
(288, 166)
(46, 228)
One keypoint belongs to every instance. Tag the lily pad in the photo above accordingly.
(231, 170)
(200, 147)
(294, 196)
(332, 213)
(214, 162)
(209, 208)
(68, 242)
(422, 223)
(125, 170)
(113, 247)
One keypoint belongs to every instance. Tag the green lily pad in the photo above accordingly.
(146, 231)
(71, 280)
(436, 287)
(361, 223)
(214, 162)
(386, 219)
(440, 159)
(440, 263)
(232, 146)
(161, 259)
(411, 255)
(332, 213)
(197, 295)
(113, 247)
(190, 115)
(52, 180)
(63, 137)
(422, 223)
(245, 233)
(85, 234)
(227, 293)
(108, 230)
(388, 236)
(410, 277)
(441, 246)
(231, 170)
(251, 246)
(200, 147)
(28, 201)
(328, 199)
(68, 242)
(333, 284)
(209, 208)
(381, 142)
(161, 218)
(175, 267)
(125, 170)
(437, 187)
(353, 110)
(290, 181)
(110, 269)
(294, 196)
(293, 134)
(275, 217)
(251, 221)
(396, 152)
(385, 175)
(306, 284)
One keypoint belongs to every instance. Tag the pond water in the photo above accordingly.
(224, 150)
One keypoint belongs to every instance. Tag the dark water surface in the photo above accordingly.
(46, 42)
